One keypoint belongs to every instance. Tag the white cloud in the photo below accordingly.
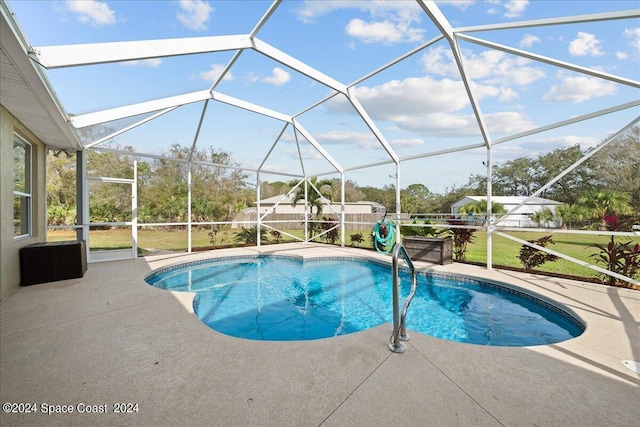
(579, 89)
(277, 78)
(93, 12)
(312, 9)
(251, 77)
(547, 144)
(460, 4)
(391, 21)
(399, 98)
(214, 72)
(507, 122)
(152, 62)
(622, 55)
(404, 103)
(529, 40)
(490, 66)
(383, 32)
(362, 140)
(585, 44)
(634, 35)
(305, 152)
(455, 125)
(194, 14)
(507, 94)
(515, 8)
(439, 61)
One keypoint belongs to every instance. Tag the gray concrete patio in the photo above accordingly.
(110, 338)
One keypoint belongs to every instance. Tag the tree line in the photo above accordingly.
(218, 192)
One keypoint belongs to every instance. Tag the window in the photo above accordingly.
(21, 187)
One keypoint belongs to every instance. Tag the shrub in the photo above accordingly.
(332, 235)
(249, 236)
(532, 257)
(276, 235)
(618, 257)
(461, 237)
(60, 215)
(414, 230)
(356, 239)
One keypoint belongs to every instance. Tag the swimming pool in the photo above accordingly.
(284, 298)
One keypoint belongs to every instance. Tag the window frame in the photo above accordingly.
(28, 184)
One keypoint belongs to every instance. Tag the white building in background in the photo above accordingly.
(284, 205)
(522, 216)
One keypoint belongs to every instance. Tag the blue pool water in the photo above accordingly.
(282, 299)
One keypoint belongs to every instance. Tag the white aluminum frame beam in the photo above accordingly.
(128, 128)
(437, 17)
(195, 137)
(118, 113)
(550, 61)
(353, 99)
(131, 110)
(284, 128)
(253, 33)
(570, 121)
(295, 135)
(398, 59)
(513, 137)
(295, 64)
(577, 19)
(317, 146)
(236, 102)
(265, 18)
(52, 57)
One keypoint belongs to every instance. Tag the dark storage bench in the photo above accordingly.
(51, 261)
(429, 249)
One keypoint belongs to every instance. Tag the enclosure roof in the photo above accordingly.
(324, 88)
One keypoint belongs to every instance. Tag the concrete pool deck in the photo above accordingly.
(110, 338)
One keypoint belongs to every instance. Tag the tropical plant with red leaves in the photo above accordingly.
(619, 257)
(462, 236)
(329, 226)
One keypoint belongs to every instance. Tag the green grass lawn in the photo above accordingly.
(505, 251)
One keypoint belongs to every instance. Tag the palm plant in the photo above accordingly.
(571, 213)
(542, 217)
(480, 207)
(249, 236)
(601, 202)
(315, 199)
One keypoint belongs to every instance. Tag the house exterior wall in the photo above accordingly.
(10, 247)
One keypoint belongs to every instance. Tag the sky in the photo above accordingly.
(419, 105)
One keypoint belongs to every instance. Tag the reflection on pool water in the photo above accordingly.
(281, 299)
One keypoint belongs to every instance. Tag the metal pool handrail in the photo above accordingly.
(399, 319)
